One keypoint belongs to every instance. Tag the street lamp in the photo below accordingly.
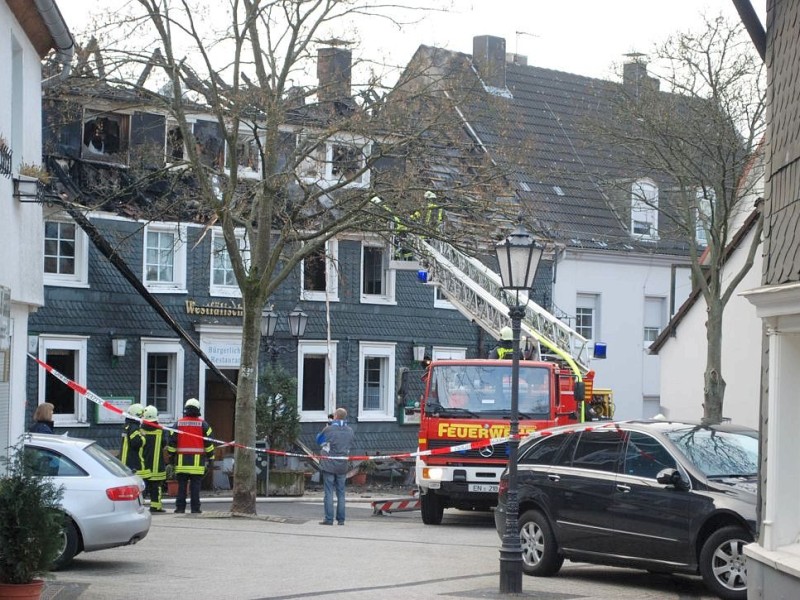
(518, 256)
(296, 319)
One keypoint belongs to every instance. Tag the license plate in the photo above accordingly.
(483, 487)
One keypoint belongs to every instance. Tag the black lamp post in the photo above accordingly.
(518, 256)
(297, 320)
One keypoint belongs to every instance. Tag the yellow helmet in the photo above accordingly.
(135, 409)
(506, 334)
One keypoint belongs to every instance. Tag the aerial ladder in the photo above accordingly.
(477, 293)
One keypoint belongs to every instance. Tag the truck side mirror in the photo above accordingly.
(580, 391)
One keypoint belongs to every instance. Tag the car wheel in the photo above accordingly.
(540, 555)
(432, 508)
(69, 546)
(722, 562)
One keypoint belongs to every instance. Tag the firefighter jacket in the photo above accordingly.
(132, 445)
(188, 448)
(153, 466)
(502, 351)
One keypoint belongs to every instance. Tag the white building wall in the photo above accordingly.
(683, 357)
(21, 224)
(621, 283)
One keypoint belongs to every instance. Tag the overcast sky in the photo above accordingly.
(586, 37)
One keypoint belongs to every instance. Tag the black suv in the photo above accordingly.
(658, 495)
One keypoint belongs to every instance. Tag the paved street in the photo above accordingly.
(286, 554)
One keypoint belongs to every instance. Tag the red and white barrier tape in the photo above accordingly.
(88, 394)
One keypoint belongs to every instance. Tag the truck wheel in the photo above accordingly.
(722, 562)
(432, 509)
(540, 555)
(70, 544)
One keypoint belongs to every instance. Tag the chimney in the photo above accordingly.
(634, 75)
(333, 74)
(516, 59)
(489, 58)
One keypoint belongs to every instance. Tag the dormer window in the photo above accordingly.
(644, 209)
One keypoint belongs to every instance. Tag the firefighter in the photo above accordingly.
(192, 452)
(132, 439)
(505, 349)
(153, 471)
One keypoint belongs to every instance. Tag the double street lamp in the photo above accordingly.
(518, 256)
(297, 320)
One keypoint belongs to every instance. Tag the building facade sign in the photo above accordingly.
(215, 309)
(224, 354)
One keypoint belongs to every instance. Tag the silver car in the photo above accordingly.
(102, 498)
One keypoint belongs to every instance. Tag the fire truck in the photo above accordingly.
(469, 400)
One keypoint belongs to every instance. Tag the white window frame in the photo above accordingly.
(80, 278)
(331, 293)
(317, 167)
(649, 326)
(644, 209)
(228, 291)
(246, 137)
(590, 301)
(178, 283)
(703, 214)
(388, 295)
(77, 344)
(163, 346)
(384, 351)
(440, 300)
(313, 347)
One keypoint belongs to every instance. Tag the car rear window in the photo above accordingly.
(108, 460)
(598, 450)
(48, 463)
(718, 453)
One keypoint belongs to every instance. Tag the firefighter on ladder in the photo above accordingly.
(505, 349)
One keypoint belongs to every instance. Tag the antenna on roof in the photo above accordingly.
(516, 39)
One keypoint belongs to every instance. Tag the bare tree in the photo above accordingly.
(299, 166)
(703, 138)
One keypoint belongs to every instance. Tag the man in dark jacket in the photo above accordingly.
(335, 440)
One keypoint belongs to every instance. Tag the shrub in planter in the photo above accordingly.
(31, 521)
(277, 418)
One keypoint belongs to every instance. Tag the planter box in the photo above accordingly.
(285, 483)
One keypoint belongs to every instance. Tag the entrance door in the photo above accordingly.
(221, 408)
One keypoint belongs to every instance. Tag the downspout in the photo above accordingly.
(62, 39)
(753, 26)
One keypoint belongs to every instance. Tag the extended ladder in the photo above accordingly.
(476, 291)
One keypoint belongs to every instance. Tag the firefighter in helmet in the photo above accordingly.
(132, 439)
(192, 451)
(153, 470)
(505, 349)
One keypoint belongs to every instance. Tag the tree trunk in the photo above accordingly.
(244, 472)
(714, 389)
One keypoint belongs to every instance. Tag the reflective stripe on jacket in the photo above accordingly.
(189, 447)
(132, 443)
(153, 466)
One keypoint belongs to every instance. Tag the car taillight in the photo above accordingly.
(125, 492)
(502, 489)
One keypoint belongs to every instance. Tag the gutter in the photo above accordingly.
(64, 45)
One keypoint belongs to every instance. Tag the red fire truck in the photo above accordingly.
(469, 401)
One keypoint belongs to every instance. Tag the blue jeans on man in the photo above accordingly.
(334, 482)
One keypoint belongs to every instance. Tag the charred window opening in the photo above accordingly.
(209, 144)
(174, 144)
(105, 137)
(314, 271)
(345, 161)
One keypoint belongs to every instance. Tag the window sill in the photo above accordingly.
(225, 292)
(378, 300)
(375, 418)
(66, 284)
(318, 297)
(166, 290)
(785, 559)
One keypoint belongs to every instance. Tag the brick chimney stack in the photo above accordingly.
(489, 58)
(635, 77)
(334, 74)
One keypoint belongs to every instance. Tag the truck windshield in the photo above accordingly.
(471, 390)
